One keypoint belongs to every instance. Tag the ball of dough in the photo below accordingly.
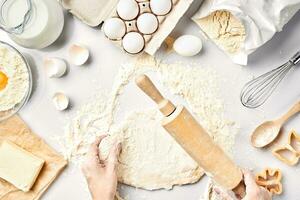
(114, 28)
(133, 42)
(147, 23)
(128, 9)
(161, 7)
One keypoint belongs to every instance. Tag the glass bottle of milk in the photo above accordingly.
(32, 23)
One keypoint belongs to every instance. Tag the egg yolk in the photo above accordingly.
(3, 80)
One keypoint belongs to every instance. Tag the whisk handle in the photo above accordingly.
(296, 58)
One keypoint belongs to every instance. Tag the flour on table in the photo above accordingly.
(96, 117)
(198, 86)
(150, 158)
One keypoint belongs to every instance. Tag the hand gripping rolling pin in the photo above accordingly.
(184, 128)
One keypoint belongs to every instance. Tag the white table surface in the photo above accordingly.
(80, 82)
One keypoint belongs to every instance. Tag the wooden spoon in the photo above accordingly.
(268, 131)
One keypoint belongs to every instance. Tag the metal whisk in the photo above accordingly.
(256, 92)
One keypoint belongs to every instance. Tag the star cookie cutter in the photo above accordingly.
(290, 153)
(270, 179)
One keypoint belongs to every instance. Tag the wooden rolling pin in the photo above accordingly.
(194, 139)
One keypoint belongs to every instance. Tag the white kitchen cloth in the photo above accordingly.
(261, 19)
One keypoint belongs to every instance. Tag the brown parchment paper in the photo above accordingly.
(16, 130)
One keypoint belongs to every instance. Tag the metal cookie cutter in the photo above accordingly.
(270, 179)
(290, 153)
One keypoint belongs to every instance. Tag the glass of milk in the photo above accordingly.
(32, 23)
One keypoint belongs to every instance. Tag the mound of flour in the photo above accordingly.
(150, 158)
(224, 29)
(13, 66)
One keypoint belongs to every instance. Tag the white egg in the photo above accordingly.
(60, 101)
(55, 67)
(114, 28)
(147, 23)
(133, 42)
(128, 9)
(187, 45)
(78, 54)
(161, 7)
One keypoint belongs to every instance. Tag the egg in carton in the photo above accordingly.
(137, 25)
(143, 25)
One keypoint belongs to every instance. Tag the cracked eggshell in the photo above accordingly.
(161, 7)
(187, 45)
(147, 23)
(128, 9)
(114, 28)
(133, 42)
(60, 101)
(55, 67)
(78, 54)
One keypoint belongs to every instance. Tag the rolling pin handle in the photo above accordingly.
(240, 190)
(164, 105)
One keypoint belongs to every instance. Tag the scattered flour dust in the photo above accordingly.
(150, 158)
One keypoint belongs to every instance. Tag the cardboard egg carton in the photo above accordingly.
(289, 153)
(153, 40)
(270, 179)
(94, 12)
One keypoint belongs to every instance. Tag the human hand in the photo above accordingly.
(253, 191)
(101, 175)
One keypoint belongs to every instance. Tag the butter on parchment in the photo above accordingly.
(18, 166)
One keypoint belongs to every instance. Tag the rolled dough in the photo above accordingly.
(150, 157)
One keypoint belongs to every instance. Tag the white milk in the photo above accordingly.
(43, 27)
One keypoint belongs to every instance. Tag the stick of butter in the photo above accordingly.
(18, 166)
